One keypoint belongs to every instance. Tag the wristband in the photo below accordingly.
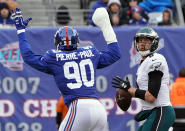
(20, 31)
(140, 94)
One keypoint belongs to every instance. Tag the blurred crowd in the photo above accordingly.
(127, 12)
(5, 12)
(121, 12)
(136, 12)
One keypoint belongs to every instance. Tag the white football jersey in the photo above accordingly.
(151, 63)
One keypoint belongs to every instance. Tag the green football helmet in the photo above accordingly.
(148, 33)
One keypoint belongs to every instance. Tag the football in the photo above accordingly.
(123, 99)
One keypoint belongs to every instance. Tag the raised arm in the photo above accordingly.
(101, 19)
(36, 61)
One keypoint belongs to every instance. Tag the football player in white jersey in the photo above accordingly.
(152, 84)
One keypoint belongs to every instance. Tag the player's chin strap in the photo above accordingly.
(101, 19)
(144, 53)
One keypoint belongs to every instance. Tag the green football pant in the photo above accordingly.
(161, 119)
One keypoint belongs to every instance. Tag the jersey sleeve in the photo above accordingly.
(36, 61)
(110, 56)
(156, 64)
(155, 74)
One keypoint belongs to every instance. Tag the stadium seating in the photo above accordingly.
(43, 12)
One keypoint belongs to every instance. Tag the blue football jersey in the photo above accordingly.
(74, 71)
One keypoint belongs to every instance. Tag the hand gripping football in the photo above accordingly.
(123, 99)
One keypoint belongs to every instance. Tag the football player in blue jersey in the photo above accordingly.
(74, 70)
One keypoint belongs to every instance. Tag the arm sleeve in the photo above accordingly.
(110, 56)
(35, 61)
(154, 82)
